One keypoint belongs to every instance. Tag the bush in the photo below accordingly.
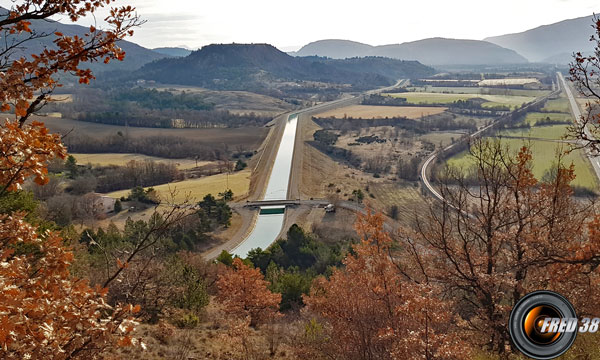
(118, 206)
(225, 258)
(188, 321)
(240, 165)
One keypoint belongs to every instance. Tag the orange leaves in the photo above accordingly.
(44, 311)
(243, 291)
(21, 107)
(24, 152)
(22, 26)
(122, 265)
(34, 74)
(370, 307)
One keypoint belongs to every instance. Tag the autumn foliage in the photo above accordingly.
(244, 294)
(27, 82)
(371, 310)
(24, 152)
(45, 312)
(489, 246)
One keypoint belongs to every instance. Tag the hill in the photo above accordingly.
(550, 42)
(441, 51)
(252, 66)
(135, 55)
(173, 51)
(434, 51)
(335, 49)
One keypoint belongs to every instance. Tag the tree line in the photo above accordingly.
(170, 147)
(150, 108)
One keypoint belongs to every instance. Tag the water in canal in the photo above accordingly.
(270, 221)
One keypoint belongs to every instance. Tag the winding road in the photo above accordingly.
(425, 167)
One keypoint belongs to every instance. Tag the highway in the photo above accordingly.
(575, 110)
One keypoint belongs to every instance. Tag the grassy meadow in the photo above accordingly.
(550, 132)
(375, 111)
(105, 159)
(544, 156)
(424, 98)
(238, 182)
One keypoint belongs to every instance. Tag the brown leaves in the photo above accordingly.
(24, 152)
(244, 293)
(44, 312)
(511, 235)
(371, 308)
(22, 79)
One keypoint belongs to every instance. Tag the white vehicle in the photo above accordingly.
(330, 208)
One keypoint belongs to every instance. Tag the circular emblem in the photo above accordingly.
(543, 325)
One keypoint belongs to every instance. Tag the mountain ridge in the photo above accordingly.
(135, 55)
(550, 41)
(244, 66)
(431, 51)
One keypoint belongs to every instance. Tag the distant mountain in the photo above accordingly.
(440, 51)
(135, 55)
(390, 68)
(252, 66)
(550, 42)
(434, 51)
(335, 49)
(173, 51)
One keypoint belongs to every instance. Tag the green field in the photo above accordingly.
(423, 98)
(440, 137)
(544, 155)
(558, 105)
(534, 117)
(480, 90)
(551, 132)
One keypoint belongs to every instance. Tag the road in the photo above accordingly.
(424, 168)
(576, 111)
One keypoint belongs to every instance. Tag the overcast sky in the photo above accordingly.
(291, 24)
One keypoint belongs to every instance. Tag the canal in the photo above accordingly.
(270, 219)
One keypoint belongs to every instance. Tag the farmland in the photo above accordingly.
(122, 159)
(544, 156)
(372, 111)
(423, 98)
(248, 137)
(557, 105)
(550, 132)
(238, 182)
(479, 90)
(535, 117)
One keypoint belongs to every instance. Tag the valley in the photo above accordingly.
(198, 185)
